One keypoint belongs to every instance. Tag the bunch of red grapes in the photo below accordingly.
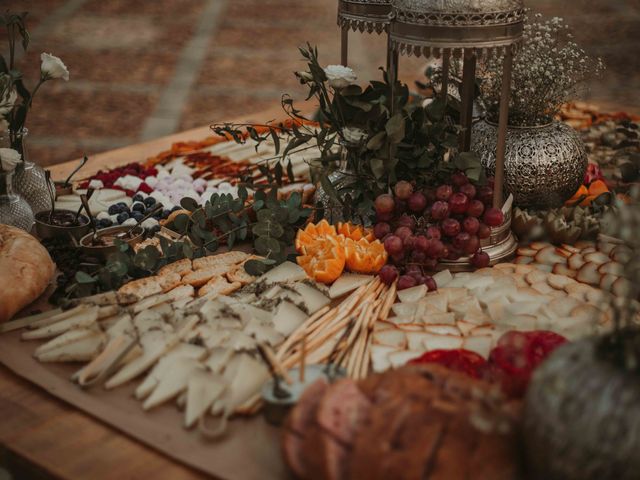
(419, 228)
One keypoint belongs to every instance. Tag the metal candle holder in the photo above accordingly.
(467, 29)
(363, 15)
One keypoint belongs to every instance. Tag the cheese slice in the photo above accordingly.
(348, 282)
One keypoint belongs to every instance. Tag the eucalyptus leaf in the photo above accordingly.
(189, 203)
(83, 277)
(395, 128)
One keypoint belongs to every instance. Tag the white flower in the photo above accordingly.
(353, 135)
(52, 67)
(9, 158)
(340, 76)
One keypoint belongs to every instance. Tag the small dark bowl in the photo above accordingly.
(105, 250)
(44, 229)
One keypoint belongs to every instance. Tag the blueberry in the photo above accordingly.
(138, 207)
(137, 215)
(166, 213)
(105, 222)
(123, 217)
(122, 205)
(114, 209)
(149, 201)
(138, 198)
(177, 207)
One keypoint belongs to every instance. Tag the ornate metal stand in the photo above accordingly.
(466, 29)
(363, 15)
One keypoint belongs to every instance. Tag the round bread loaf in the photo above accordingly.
(25, 270)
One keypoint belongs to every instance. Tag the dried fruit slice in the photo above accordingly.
(363, 256)
(323, 260)
(355, 232)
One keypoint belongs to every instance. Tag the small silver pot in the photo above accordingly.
(44, 229)
(544, 165)
(105, 250)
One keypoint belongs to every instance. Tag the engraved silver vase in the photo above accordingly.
(544, 165)
(14, 209)
(29, 179)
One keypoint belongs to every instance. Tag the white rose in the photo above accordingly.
(52, 67)
(9, 158)
(340, 76)
(353, 135)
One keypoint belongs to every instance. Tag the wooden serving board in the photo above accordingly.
(249, 450)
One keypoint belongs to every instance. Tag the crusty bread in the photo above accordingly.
(143, 287)
(25, 270)
(226, 258)
(181, 266)
(218, 286)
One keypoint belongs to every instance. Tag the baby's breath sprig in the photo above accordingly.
(549, 70)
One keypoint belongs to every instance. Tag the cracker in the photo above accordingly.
(239, 274)
(203, 275)
(143, 287)
(218, 286)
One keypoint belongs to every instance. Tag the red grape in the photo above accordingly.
(491, 180)
(422, 244)
(406, 221)
(381, 230)
(453, 253)
(434, 232)
(451, 227)
(439, 210)
(401, 207)
(471, 225)
(403, 233)
(460, 240)
(403, 190)
(431, 195)
(436, 249)
(443, 192)
(484, 231)
(430, 264)
(388, 274)
(398, 258)
(472, 246)
(412, 269)
(493, 217)
(469, 190)
(430, 283)
(459, 179)
(384, 217)
(485, 194)
(406, 281)
(393, 245)
(418, 256)
(385, 203)
(458, 203)
(417, 202)
(480, 260)
(475, 209)
(409, 243)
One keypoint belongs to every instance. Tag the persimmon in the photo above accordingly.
(363, 256)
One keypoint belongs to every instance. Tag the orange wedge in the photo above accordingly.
(312, 233)
(598, 187)
(323, 260)
(355, 232)
(363, 256)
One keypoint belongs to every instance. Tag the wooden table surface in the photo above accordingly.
(42, 437)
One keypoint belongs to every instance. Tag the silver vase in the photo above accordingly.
(14, 209)
(29, 179)
(544, 165)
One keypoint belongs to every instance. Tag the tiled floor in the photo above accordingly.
(148, 68)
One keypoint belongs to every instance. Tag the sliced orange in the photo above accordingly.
(582, 191)
(598, 187)
(314, 232)
(364, 256)
(323, 260)
(355, 232)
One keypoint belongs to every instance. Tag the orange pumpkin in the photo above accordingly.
(363, 256)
